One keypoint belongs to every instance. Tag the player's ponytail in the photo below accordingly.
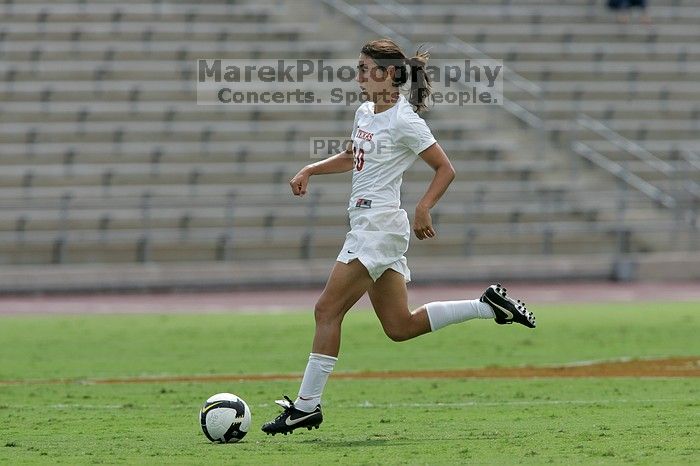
(420, 81)
(385, 53)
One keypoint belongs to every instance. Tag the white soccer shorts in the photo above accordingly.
(378, 238)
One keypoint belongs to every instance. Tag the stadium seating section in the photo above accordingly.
(107, 159)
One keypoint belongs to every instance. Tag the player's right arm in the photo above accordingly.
(339, 163)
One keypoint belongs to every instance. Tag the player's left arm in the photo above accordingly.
(444, 174)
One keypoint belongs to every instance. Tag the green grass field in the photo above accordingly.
(379, 421)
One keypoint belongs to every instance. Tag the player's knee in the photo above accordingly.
(325, 313)
(321, 312)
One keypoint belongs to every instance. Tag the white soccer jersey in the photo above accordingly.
(384, 146)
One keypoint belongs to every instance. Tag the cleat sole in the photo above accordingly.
(523, 317)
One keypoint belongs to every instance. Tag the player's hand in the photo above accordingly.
(423, 224)
(299, 182)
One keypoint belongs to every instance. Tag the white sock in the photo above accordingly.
(316, 374)
(442, 313)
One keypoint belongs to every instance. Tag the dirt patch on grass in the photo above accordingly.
(673, 367)
(670, 367)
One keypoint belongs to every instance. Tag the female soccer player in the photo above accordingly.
(387, 137)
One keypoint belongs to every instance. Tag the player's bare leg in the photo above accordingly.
(390, 301)
(345, 286)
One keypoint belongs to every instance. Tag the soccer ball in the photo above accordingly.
(225, 418)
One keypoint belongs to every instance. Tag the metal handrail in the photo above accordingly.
(510, 76)
(518, 80)
(672, 172)
(394, 6)
(692, 157)
(625, 144)
(624, 174)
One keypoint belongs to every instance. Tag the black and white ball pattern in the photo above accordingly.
(225, 418)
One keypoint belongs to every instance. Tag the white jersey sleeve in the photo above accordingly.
(412, 132)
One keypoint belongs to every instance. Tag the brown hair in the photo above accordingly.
(385, 53)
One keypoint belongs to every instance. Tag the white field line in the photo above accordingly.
(369, 405)
(592, 362)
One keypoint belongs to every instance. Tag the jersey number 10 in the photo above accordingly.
(359, 156)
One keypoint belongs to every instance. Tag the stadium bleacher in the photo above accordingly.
(107, 160)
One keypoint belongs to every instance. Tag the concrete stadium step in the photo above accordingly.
(83, 111)
(497, 14)
(133, 92)
(243, 29)
(663, 149)
(75, 153)
(199, 244)
(615, 90)
(540, 3)
(172, 50)
(133, 109)
(236, 173)
(661, 161)
(668, 71)
(151, 69)
(677, 170)
(329, 189)
(515, 245)
(683, 187)
(586, 51)
(679, 130)
(536, 245)
(108, 218)
(249, 243)
(563, 32)
(142, 11)
(582, 188)
(632, 108)
(129, 174)
(67, 117)
(114, 252)
(111, 181)
(638, 129)
(669, 145)
(513, 211)
(23, 70)
(217, 130)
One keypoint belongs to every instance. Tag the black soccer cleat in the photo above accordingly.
(292, 418)
(507, 310)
